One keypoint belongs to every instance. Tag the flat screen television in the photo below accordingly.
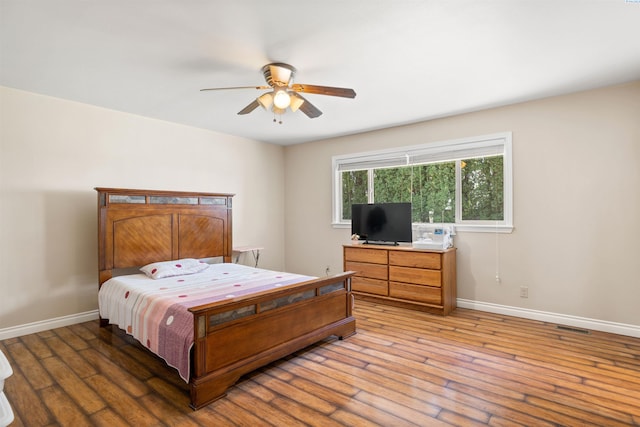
(382, 223)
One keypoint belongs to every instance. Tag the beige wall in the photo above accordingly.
(575, 170)
(576, 204)
(54, 152)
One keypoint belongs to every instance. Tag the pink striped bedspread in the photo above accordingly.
(155, 312)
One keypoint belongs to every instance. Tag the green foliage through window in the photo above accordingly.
(354, 190)
(482, 188)
(467, 182)
(431, 188)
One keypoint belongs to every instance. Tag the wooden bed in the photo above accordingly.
(138, 227)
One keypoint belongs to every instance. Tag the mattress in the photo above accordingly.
(155, 312)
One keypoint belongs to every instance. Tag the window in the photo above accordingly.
(464, 182)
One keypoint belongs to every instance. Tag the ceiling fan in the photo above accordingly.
(285, 94)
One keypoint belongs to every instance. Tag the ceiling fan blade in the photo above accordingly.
(324, 90)
(308, 108)
(249, 108)
(237, 87)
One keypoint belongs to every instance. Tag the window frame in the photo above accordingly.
(449, 150)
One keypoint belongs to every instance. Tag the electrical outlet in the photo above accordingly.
(524, 292)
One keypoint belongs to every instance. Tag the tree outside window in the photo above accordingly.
(482, 188)
(463, 182)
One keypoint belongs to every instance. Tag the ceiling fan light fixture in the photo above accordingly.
(265, 100)
(281, 99)
(296, 102)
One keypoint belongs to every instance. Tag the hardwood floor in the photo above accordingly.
(402, 368)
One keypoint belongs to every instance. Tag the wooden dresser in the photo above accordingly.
(403, 276)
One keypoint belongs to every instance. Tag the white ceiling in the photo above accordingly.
(408, 60)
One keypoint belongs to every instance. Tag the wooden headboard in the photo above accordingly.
(138, 227)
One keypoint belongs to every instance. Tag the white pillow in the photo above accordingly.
(179, 267)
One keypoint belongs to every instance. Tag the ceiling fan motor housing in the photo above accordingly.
(278, 74)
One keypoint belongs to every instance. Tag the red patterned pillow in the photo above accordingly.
(180, 267)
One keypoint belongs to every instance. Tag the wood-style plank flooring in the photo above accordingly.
(402, 368)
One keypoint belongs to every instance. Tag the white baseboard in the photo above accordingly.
(45, 325)
(543, 316)
(556, 318)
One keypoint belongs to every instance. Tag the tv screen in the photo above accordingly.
(382, 222)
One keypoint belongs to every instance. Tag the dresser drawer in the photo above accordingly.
(417, 276)
(370, 286)
(428, 294)
(416, 259)
(364, 269)
(374, 256)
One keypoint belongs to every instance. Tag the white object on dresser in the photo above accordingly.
(432, 236)
(6, 414)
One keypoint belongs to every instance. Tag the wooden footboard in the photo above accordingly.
(235, 337)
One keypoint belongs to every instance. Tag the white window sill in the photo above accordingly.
(466, 228)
